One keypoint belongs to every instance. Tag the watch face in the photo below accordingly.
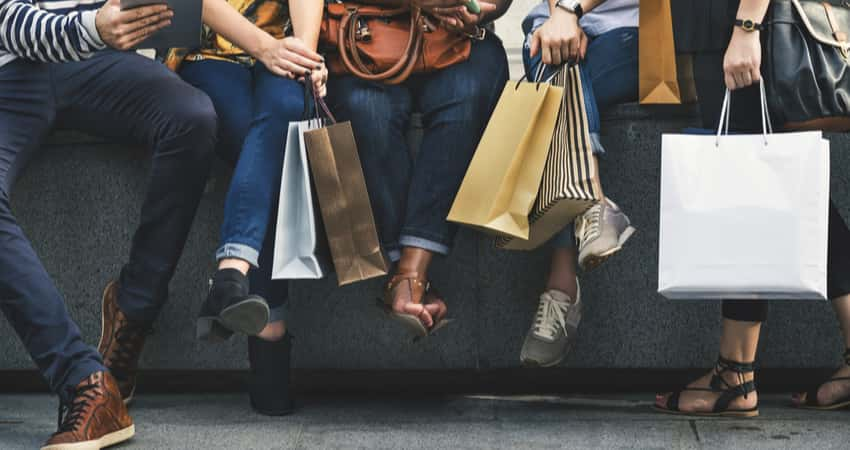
(748, 25)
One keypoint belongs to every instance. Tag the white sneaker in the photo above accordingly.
(601, 232)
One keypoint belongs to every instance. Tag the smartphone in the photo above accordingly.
(473, 7)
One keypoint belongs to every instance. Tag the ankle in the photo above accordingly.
(234, 263)
(273, 332)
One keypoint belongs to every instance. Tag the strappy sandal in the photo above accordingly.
(421, 293)
(811, 401)
(719, 385)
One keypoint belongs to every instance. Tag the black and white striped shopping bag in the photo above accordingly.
(570, 183)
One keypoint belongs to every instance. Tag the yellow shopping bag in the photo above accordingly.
(504, 176)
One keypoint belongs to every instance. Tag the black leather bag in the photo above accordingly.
(806, 64)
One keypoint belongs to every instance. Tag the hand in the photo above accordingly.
(319, 78)
(122, 30)
(429, 5)
(459, 19)
(742, 63)
(290, 57)
(560, 38)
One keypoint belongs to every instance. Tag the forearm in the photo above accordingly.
(306, 20)
(753, 9)
(226, 21)
(31, 33)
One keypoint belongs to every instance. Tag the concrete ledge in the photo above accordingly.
(79, 203)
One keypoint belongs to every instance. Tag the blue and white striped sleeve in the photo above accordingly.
(34, 34)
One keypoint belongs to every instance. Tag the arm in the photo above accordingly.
(742, 62)
(31, 33)
(306, 20)
(288, 57)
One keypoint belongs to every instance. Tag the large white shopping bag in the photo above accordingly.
(300, 250)
(744, 216)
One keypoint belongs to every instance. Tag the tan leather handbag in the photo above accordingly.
(387, 44)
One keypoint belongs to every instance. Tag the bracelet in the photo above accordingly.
(748, 25)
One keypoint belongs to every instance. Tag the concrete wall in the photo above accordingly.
(79, 203)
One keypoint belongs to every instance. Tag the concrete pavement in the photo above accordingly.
(451, 422)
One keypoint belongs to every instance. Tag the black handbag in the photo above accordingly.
(806, 64)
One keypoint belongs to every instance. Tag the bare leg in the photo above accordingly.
(739, 343)
(234, 263)
(273, 332)
(834, 391)
(416, 261)
(562, 274)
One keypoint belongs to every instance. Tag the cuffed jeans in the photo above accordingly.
(116, 95)
(254, 108)
(411, 196)
(609, 75)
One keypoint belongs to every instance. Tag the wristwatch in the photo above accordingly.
(748, 25)
(573, 6)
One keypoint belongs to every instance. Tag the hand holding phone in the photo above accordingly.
(473, 7)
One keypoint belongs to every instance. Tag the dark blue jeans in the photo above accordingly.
(120, 96)
(411, 195)
(254, 108)
(609, 76)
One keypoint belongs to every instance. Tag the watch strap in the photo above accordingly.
(748, 25)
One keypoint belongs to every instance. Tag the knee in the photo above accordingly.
(192, 119)
(285, 108)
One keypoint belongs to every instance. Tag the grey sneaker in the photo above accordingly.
(554, 330)
(601, 232)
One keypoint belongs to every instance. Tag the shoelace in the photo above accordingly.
(71, 415)
(129, 339)
(590, 223)
(551, 317)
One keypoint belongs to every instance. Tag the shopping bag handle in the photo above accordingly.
(319, 103)
(538, 75)
(725, 112)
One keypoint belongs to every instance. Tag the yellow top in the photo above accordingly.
(272, 16)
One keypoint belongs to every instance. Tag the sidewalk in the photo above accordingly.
(456, 422)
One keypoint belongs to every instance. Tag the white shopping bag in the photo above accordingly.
(299, 248)
(744, 216)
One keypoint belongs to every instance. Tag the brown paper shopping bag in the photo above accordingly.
(570, 182)
(501, 183)
(344, 202)
(659, 82)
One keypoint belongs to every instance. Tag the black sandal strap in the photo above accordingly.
(673, 399)
(742, 390)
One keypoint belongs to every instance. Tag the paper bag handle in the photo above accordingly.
(725, 113)
(319, 103)
(538, 76)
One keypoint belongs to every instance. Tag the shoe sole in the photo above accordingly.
(107, 440)
(530, 363)
(738, 414)
(833, 407)
(594, 261)
(249, 316)
(129, 398)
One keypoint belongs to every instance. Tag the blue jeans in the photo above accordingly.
(609, 76)
(120, 96)
(254, 108)
(411, 194)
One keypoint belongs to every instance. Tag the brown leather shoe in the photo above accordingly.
(95, 418)
(121, 343)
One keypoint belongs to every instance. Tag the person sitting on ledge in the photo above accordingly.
(601, 35)
(255, 99)
(63, 63)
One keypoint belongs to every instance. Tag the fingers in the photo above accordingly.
(135, 14)
(130, 40)
(535, 44)
(280, 72)
(730, 81)
(146, 22)
(307, 55)
(583, 47)
(547, 53)
(487, 8)
(574, 48)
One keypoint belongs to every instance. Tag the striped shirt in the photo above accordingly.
(48, 30)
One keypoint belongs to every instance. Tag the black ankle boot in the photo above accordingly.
(230, 308)
(268, 386)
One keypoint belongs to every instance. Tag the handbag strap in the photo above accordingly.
(839, 35)
(725, 113)
(347, 39)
